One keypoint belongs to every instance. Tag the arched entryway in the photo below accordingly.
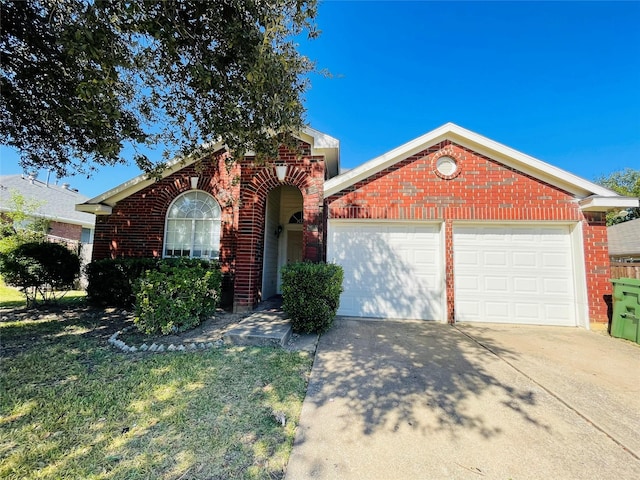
(283, 235)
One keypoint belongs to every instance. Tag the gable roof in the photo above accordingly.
(321, 144)
(624, 239)
(58, 201)
(592, 196)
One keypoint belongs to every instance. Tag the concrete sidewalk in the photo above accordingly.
(390, 400)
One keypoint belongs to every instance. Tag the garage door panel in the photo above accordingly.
(390, 270)
(524, 274)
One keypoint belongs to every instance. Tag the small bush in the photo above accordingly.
(110, 282)
(176, 297)
(40, 269)
(311, 295)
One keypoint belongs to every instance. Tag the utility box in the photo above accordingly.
(625, 322)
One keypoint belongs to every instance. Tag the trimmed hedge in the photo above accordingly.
(176, 297)
(311, 295)
(111, 281)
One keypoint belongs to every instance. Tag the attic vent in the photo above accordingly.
(446, 166)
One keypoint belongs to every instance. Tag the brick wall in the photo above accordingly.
(135, 228)
(481, 189)
(65, 230)
(305, 172)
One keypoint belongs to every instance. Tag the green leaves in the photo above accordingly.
(311, 295)
(177, 297)
(625, 182)
(40, 269)
(81, 79)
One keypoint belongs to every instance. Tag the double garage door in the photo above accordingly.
(506, 274)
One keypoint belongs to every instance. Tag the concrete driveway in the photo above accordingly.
(405, 400)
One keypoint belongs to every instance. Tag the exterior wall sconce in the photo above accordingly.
(278, 231)
(281, 172)
(194, 183)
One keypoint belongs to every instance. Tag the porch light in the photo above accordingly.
(281, 172)
(194, 183)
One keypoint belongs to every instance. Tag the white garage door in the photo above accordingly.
(512, 274)
(391, 270)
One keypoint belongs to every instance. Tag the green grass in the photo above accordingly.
(11, 297)
(71, 407)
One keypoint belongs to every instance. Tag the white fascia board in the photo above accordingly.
(111, 197)
(95, 208)
(320, 139)
(385, 160)
(597, 203)
(480, 144)
(526, 163)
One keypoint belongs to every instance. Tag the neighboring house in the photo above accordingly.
(624, 241)
(56, 205)
(451, 226)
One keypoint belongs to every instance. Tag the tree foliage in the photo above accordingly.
(625, 182)
(80, 79)
(19, 223)
(40, 269)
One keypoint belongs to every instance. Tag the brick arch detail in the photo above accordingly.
(257, 182)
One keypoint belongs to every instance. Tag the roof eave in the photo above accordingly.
(480, 144)
(95, 208)
(598, 203)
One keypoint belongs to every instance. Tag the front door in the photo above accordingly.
(292, 249)
(294, 246)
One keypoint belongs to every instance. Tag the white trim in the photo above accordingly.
(282, 251)
(597, 203)
(95, 208)
(193, 220)
(321, 144)
(480, 144)
(579, 276)
(111, 197)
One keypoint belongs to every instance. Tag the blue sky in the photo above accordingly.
(556, 80)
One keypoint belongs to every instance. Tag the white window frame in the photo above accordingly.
(214, 218)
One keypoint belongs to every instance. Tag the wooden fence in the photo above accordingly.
(625, 270)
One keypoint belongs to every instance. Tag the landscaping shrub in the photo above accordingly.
(177, 296)
(40, 269)
(111, 281)
(311, 295)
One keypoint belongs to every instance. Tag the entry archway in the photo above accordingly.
(283, 235)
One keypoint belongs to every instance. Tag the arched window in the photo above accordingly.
(193, 227)
(296, 218)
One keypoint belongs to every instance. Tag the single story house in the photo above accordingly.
(451, 226)
(624, 241)
(56, 204)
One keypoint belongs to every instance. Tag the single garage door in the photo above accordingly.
(514, 274)
(391, 270)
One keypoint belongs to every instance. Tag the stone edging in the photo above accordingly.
(160, 347)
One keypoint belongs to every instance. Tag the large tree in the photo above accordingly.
(625, 182)
(82, 79)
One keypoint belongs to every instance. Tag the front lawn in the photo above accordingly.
(72, 407)
(12, 297)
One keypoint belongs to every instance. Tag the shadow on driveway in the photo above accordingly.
(410, 399)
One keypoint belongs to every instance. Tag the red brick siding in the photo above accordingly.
(135, 228)
(304, 172)
(65, 230)
(481, 189)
